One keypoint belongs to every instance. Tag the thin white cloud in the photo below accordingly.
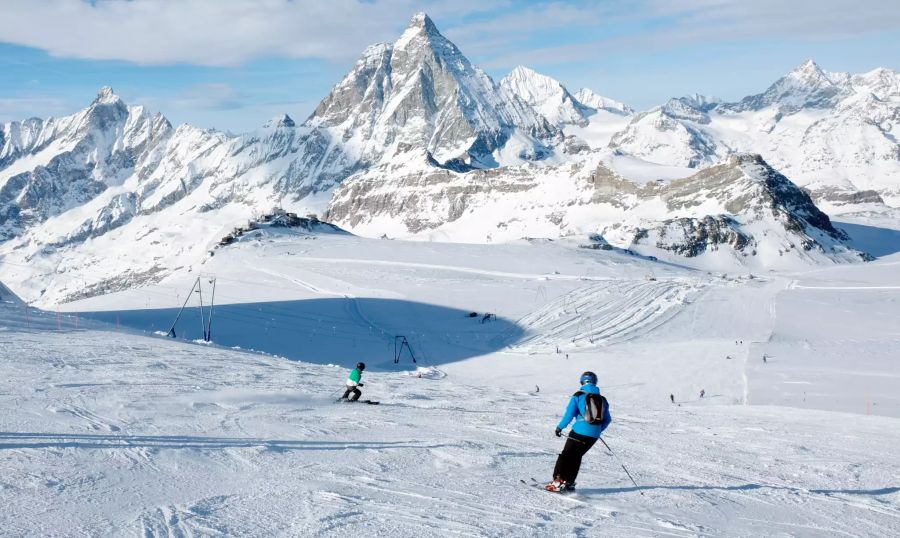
(19, 108)
(230, 32)
(679, 22)
(512, 30)
(205, 32)
(794, 19)
(212, 96)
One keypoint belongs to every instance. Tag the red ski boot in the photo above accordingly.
(558, 485)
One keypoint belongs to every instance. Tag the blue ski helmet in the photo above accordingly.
(589, 377)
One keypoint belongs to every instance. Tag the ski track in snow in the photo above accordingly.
(601, 314)
(455, 269)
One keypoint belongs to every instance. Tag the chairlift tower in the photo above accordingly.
(400, 342)
(205, 321)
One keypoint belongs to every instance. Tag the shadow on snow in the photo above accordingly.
(335, 330)
(876, 241)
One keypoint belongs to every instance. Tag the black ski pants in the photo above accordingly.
(355, 391)
(569, 461)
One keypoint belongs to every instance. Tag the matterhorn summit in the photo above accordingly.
(421, 92)
(106, 95)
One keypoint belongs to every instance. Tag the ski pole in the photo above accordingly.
(622, 464)
(613, 454)
(572, 438)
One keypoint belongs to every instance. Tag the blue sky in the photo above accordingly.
(232, 64)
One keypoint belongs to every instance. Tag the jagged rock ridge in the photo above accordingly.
(836, 134)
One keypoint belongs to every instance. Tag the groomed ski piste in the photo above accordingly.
(108, 429)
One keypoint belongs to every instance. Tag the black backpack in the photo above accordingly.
(594, 407)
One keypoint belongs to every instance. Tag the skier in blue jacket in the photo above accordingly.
(581, 438)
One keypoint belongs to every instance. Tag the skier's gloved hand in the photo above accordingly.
(361, 385)
(558, 431)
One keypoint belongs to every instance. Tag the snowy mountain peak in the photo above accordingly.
(530, 77)
(422, 93)
(806, 86)
(546, 95)
(106, 95)
(809, 74)
(280, 121)
(593, 100)
(809, 67)
(420, 28)
(882, 83)
(532, 86)
(702, 102)
(422, 22)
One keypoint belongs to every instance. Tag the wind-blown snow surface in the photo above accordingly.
(108, 432)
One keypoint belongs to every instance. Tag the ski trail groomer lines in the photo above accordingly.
(591, 414)
(353, 383)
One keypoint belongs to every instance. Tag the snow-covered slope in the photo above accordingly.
(108, 433)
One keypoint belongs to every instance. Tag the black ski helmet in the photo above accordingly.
(589, 377)
(360, 366)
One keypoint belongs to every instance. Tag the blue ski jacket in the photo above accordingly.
(575, 410)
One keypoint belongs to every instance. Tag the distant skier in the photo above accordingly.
(353, 382)
(591, 414)
(702, 393)
(765, 359)
(672, 397)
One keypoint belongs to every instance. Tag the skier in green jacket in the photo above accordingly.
(353, 382)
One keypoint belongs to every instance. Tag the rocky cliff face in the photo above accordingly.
(753, 196)
(742, 206)
(50, 167)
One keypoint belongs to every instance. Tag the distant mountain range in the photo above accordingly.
(416, 142)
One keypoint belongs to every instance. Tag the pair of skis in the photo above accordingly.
(370, 402)
(535, 484)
